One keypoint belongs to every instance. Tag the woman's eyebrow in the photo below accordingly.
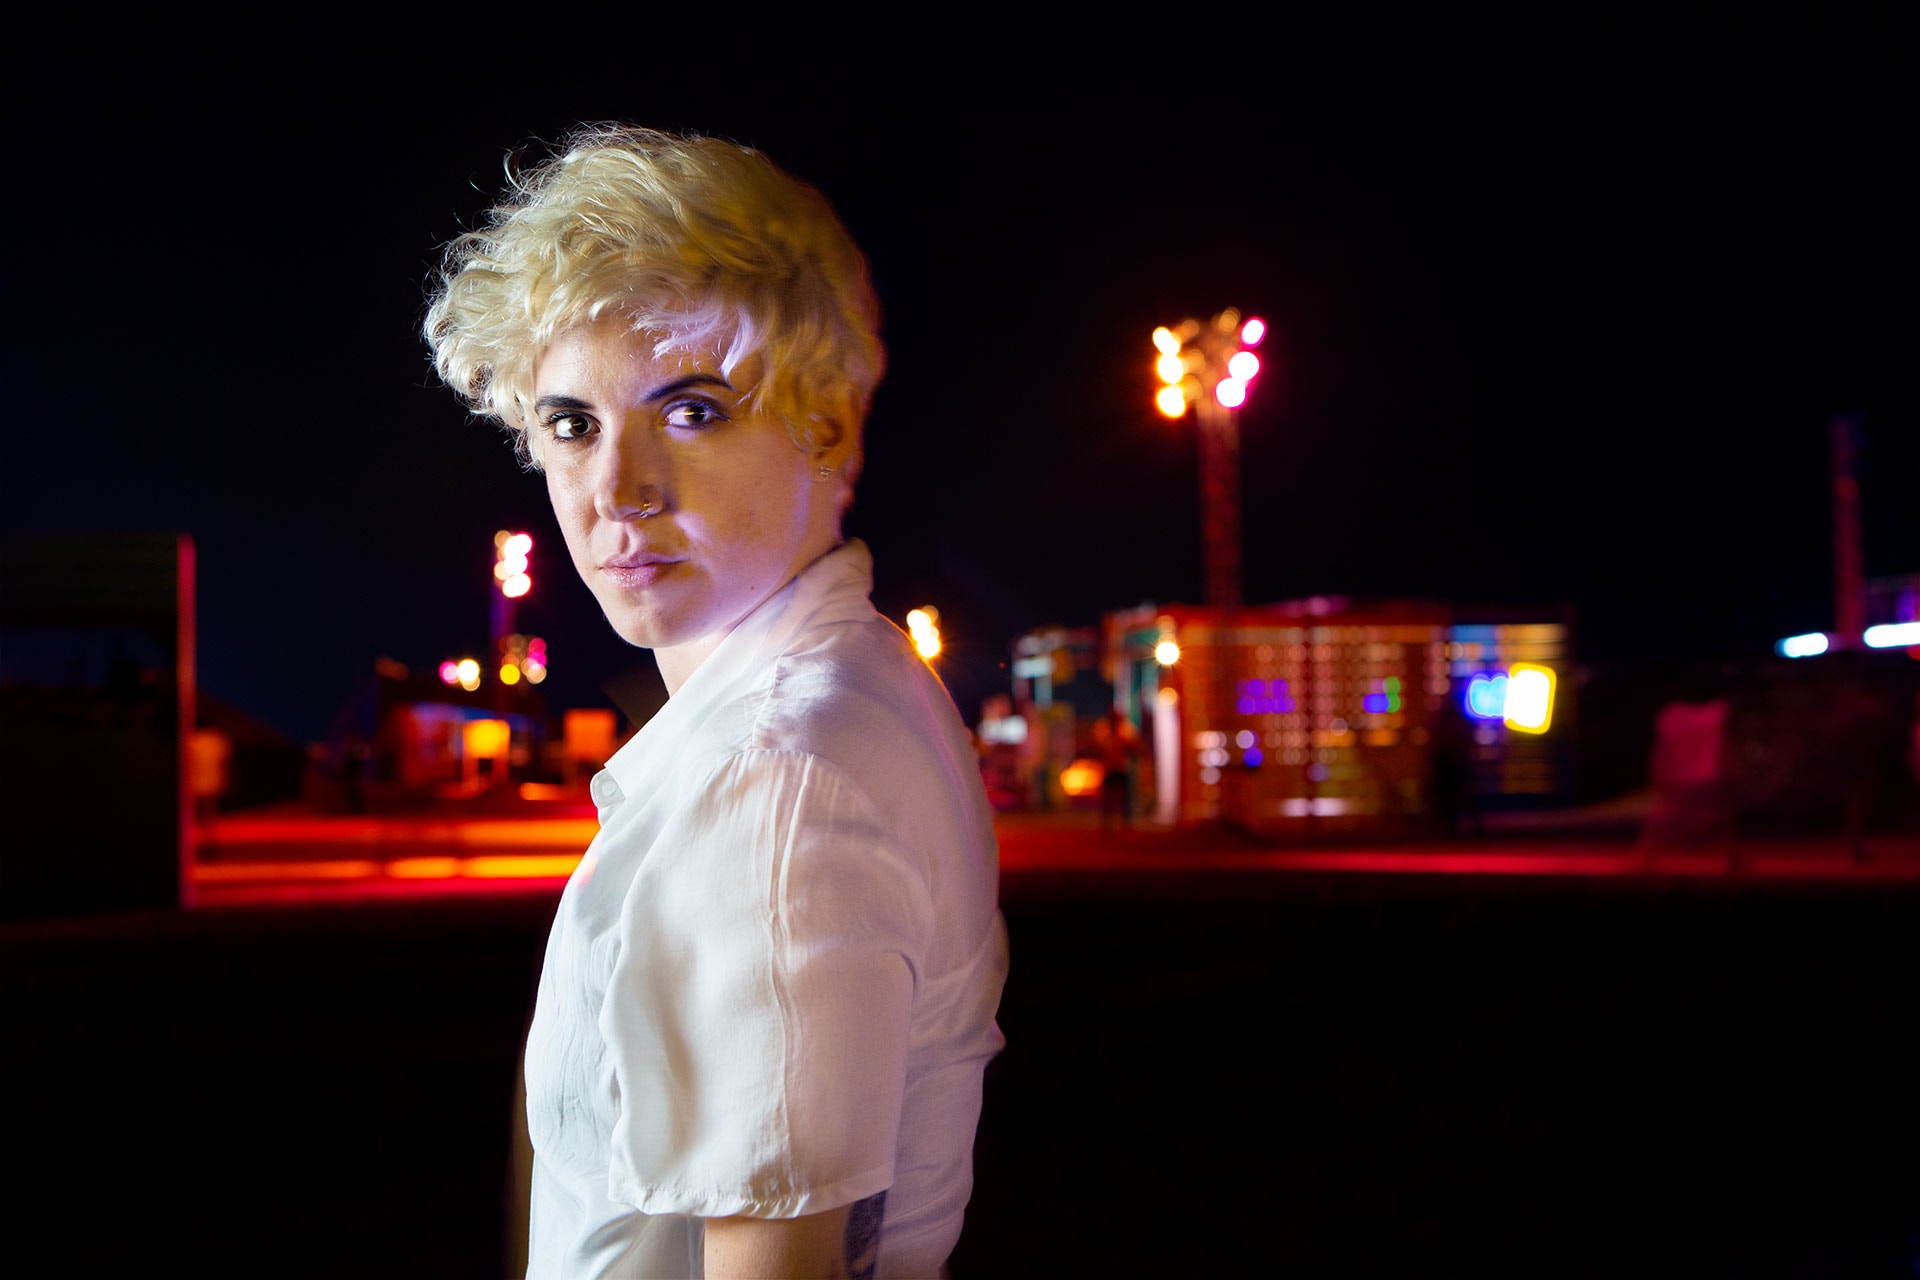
(665, 389)
(691, 380)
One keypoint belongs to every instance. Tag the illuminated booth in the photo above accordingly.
(1327, 717)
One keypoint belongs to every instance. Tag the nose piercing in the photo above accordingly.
(651, 503)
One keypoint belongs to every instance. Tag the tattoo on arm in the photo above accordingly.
(863, 1236)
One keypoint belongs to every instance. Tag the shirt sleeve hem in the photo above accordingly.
(697, 1202)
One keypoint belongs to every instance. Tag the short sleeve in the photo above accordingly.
(758, 1013)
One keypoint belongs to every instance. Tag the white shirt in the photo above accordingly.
(770, 985)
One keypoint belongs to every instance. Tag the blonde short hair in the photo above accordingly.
(700, 244)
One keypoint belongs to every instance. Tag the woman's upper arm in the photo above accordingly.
(842, 1242)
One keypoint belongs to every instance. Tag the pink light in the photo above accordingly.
(450, 672)
(1231, 392)
(1244, 365)
(1252, 331)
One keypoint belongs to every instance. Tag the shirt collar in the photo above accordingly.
(833, 588)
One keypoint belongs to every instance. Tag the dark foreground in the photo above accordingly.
(1222, 1073)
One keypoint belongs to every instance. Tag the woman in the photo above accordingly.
(768, 996)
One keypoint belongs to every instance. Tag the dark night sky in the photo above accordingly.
(1555, 327)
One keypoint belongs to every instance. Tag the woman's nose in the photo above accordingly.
(628, 486)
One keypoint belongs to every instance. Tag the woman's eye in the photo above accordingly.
(694, 413)
(568, 426)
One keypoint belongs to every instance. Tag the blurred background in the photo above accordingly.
(1587, 343)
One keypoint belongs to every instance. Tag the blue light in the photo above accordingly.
(1377, 703)
(1487, 697)
(1892, 635)
(1254, 756)
(1806, 646)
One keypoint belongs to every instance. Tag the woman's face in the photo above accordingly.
(682, 508)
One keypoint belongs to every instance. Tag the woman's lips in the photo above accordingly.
(637, 571)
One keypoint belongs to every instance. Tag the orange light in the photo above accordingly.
(468, 672)
(1252, 331)
(1166, 653)
(516, 586)
(1082, 778)
(518, 545)
(1170, 368)
(423, 868)
(924, 626)
(1171, 401)
(526, 866)
(1165, 339)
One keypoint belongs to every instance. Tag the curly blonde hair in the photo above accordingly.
(699, 243)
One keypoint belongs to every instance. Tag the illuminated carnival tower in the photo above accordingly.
(1209, 365)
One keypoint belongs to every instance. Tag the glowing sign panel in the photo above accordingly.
(1487, 697)
(1530, 697)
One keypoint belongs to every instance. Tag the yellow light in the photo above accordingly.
(509, 674)
(1166, 653)
(1171, 401)
(1170, 368)
(535, 673)
(516, 586)
(1231, 392)
(1164, 339)
(1530, 697)
(1244, 365)
(485, 737)
(468, 670)
(518, 545)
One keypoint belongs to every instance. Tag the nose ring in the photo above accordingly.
(651, 503)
